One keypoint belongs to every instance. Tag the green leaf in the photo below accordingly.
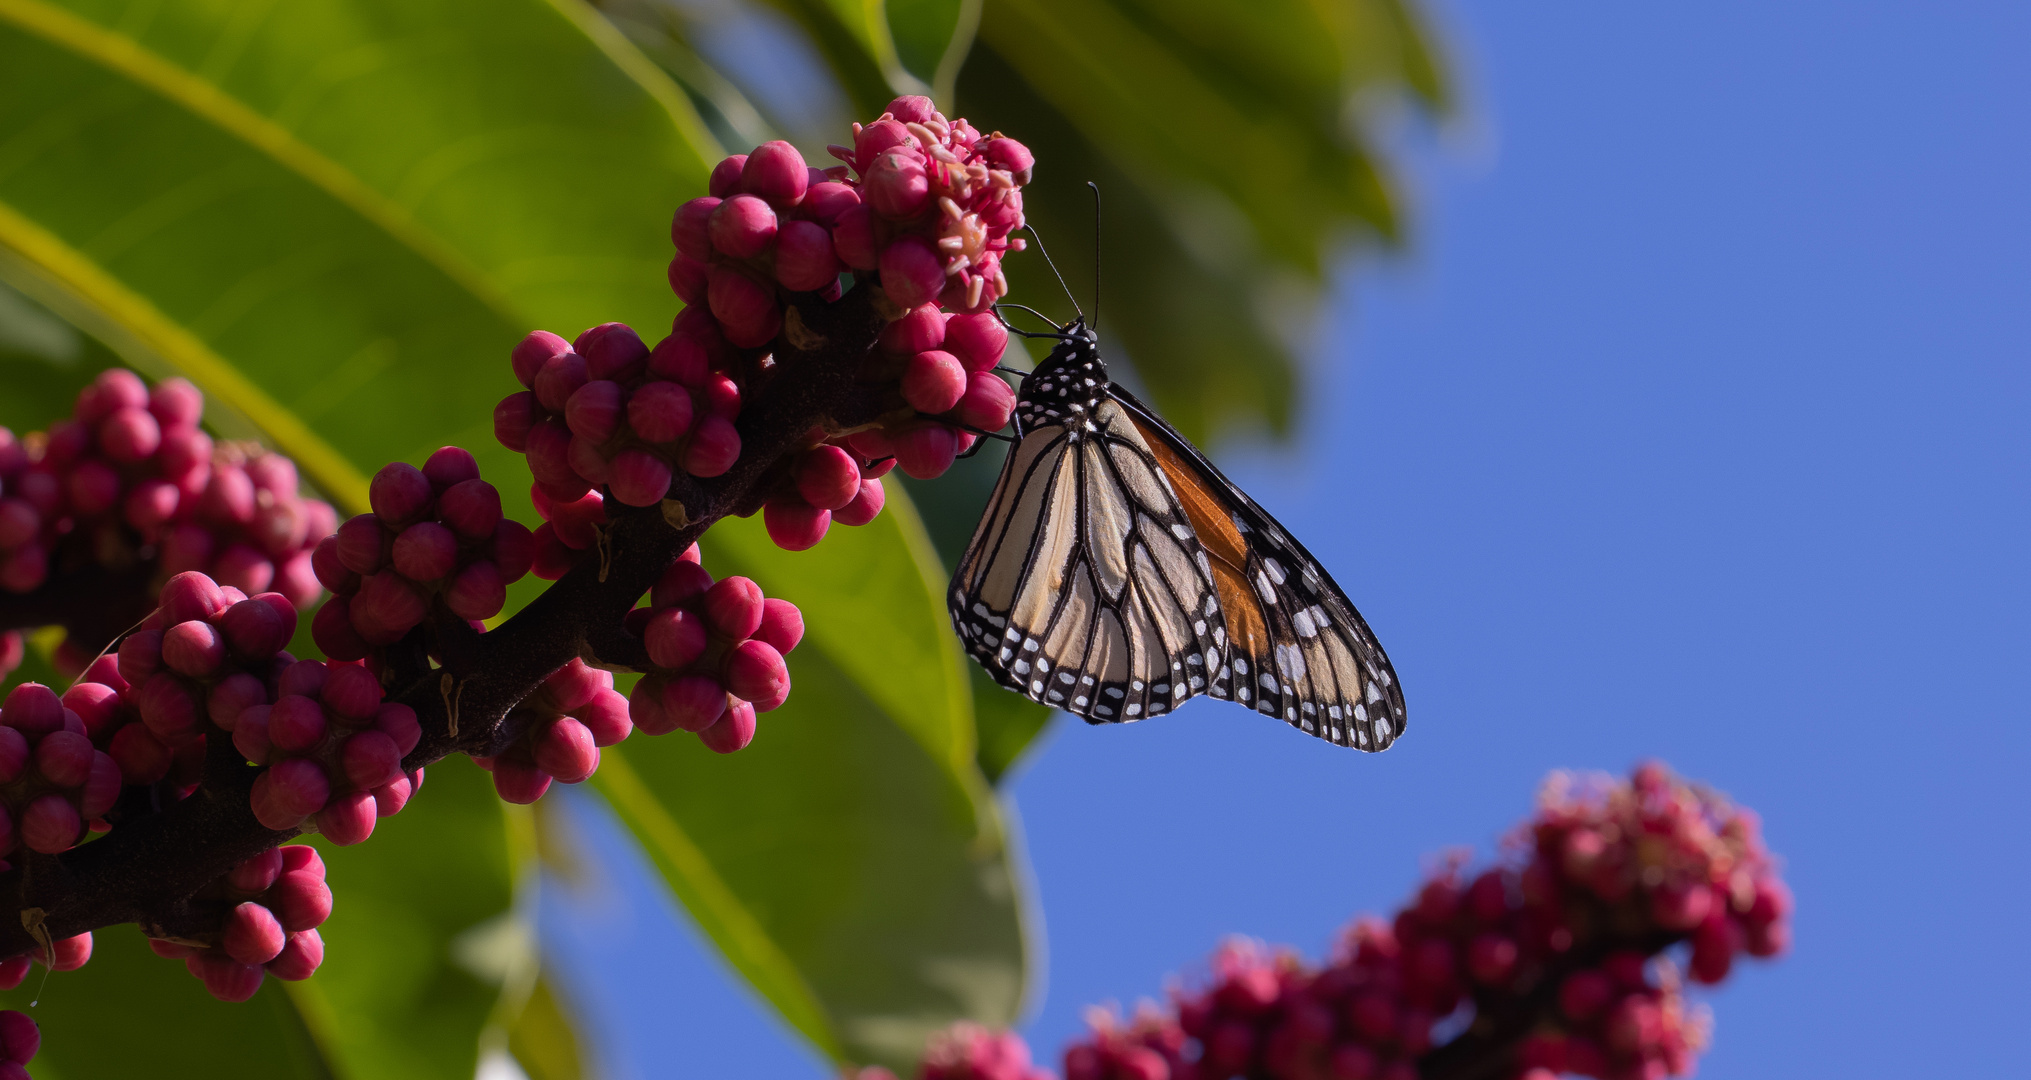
(851, 862)
(543, 1040)
(411, 972)
(338, 216)
(129, 1012)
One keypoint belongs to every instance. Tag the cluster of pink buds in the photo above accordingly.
(269, 909)
(435, 533)
(926, 202)
(1561, 944)
(333, 749)
(608, 411)
(946, 366)
(19, 1041)
(564, 723)
(129, 479)
(52, 779)
(937, 204)
(717, 652)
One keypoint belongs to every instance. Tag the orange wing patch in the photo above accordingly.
(1222, 541)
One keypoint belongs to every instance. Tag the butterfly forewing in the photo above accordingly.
(1297, 649)
(1084, 587)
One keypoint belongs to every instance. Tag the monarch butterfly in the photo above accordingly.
(1116, 573)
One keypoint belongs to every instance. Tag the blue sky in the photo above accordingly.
(1692, 424)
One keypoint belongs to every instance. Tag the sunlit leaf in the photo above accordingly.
(850, 863)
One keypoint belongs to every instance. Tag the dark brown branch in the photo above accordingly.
(148, 868)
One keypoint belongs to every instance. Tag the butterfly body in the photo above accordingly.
(1117, 573)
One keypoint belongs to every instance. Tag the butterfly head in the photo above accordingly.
(1068, 386)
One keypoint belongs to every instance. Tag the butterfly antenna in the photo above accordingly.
(1096, 255)
(1054, 270)
(1014, 329)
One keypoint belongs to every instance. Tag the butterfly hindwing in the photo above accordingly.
(1297, 648)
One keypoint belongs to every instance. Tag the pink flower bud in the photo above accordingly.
(130, 434)
(449, 465)
(606, 717)
(565, 750)
(64, 758)
(865, 507)
(689, 228)
(513, 417)
(370, 759)
(688, 278)
(987, 403)
(912, 109)
(746, 310)
(332, 629)
(362, 544)
(98, 705)
(877, 137)
(167, 708)
(782, 625)
(612, 351)
(912, 274)
(350, 691)
(805, 261)
(776, 172)
(51, 825)
(426, 551)
(734, 607)
(795, 525)
(253, 934)
(719, 395)
(400, 494)
(243, 569)
(742, 228)
(827, 477)
(191, 596)
(934, 381)
(713, 448)
(927, 451)
(824, 202)
(290, 791)
(1006, 153)
(398, 722)
(471, 507)
(755, 672)
(978, 340)
(560, 378)
(148, 506)
(732, 731)
(95, 488)
(33, 709)
(725, 178)
(514, 550)
(896, 185)
(518, 783)
(391, 797)
(854, 237)
(478, 592)
(660, 412)
(296, 582)
(299, 898)
(679, 358)
(253, 876)
(639, 478)
(586, 460)
(594, 410)
(675, 637)
(534, 351)
(690, 703)
(386, 607)
(1681, 907)
(683, 582)
(296, 724)
(176, 404)
(300, 957)
(919, 329)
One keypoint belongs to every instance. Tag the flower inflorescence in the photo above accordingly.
(1561, 959)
